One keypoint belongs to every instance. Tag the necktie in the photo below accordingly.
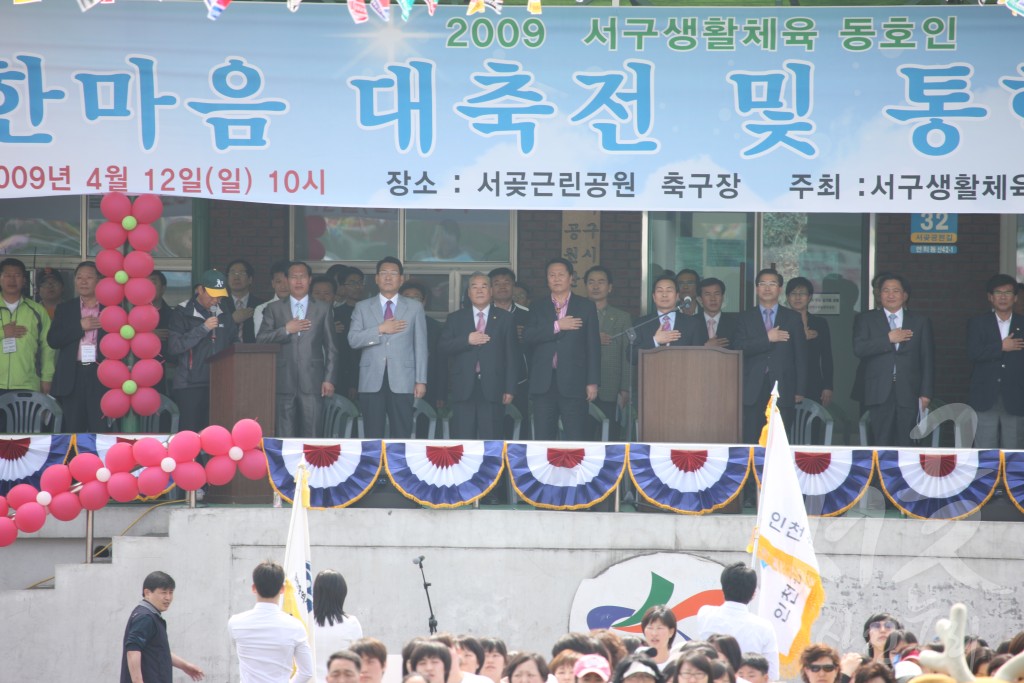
(711, 328)
(892, 326)
(388, 313)
(238, 307)
(768, 323)
(665, 323)
(300, 312)
(481, 325)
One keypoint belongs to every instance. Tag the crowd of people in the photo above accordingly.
(550, 360)
(731, 645)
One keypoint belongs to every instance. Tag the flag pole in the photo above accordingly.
(763, 441)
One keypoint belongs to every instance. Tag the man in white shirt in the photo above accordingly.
(733, 618)
(267, 640)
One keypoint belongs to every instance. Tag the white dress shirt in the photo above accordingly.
(267, 642)
(332, 638)
(753, 633)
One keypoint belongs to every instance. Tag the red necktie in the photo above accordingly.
(481, 325)
(388, 313)
(665, 323)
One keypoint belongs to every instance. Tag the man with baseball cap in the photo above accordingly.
(198, 331)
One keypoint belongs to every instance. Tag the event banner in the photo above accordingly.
(854, 109)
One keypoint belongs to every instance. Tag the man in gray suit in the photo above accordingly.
(305, 363)
(391, 330)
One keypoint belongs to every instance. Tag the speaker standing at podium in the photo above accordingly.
(198, 331)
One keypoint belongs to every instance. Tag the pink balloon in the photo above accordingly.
(30, 517)
(120, 457)
(109, 293)
(112, 318)
(55, 478)
(153, 481)
(315, 251)
(148, 452)
(21, 494)
(253, 464)
(109, 261)
(123, 487)
(220, 470)
(114, 346)
(112, 373)
(144, 237)
(316, 226)
(4, 507)
(8, 531)
(145, 345)
(65, 506)
(189, 476)
(84, 465)
(247, 434)
(115, 206)
(114, 404)
(147, 208)
(184, 446)
(138, 264)
(93, 495)
(145, 401)
(216, 440)
(144, 318)
(147, 373)
(111, 235)
(140, 291)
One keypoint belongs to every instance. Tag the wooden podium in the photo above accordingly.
(690, 394)
(242, 384)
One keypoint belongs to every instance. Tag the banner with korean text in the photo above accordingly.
(856, 109)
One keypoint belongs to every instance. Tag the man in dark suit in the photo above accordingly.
(666, 326)
(995, 344)
(241, 303)
(304, 328)
(774, 350)
(481, 345)
(717, 327)
(391, 330)
(75, 333)
(897, 353)
(565, 360)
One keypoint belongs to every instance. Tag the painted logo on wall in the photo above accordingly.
(618, 597)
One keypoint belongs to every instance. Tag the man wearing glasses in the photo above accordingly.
(391, 330)
(994, 345)
(774, 349)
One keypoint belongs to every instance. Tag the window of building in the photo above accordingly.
(439, 247)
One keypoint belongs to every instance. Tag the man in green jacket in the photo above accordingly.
(26, 361)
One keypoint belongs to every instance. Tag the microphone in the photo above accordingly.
(687, 303)
(418, 561)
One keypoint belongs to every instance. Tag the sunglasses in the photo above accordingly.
(817, 668)
(875, 625)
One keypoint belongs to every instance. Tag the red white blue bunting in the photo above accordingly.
(938, 483)
(688, 478)
(444, 475)
(1013, 477)
(23, 458)
(832, 481)
(340, 472)
(101, 443)
(565, 475)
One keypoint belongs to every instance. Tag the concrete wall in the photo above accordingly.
(507, 573)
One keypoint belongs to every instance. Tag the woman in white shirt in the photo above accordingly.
(333, 629)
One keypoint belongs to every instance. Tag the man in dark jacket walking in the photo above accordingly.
(199, 330)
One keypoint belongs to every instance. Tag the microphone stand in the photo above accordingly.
(432, 620)
(630, 334)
